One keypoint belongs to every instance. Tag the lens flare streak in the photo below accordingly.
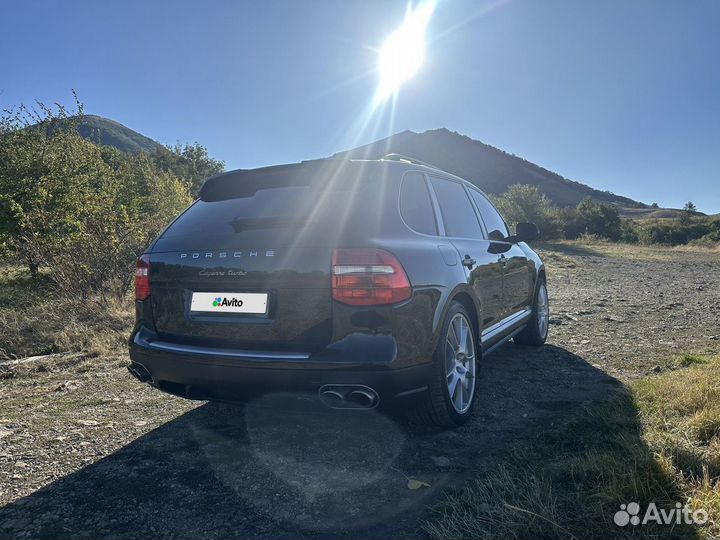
(403, 53)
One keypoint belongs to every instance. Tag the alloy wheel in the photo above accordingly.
(460, 363)
(543, 310)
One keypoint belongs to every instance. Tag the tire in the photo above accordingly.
(439, 408)
(536, 331)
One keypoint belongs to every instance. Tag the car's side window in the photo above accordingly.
(456, 209)
(415, 204)
(494, 223)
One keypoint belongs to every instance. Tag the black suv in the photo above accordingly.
(367, 282)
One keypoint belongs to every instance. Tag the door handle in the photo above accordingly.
(468, 261)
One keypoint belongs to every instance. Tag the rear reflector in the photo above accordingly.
(142, 277)
(368, 277)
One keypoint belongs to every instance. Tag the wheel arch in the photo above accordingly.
(540, 277)
(465, 297)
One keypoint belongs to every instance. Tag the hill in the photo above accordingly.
(489, 168)
(655, 213)
(111, 133)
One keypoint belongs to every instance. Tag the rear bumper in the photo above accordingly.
(199, 373)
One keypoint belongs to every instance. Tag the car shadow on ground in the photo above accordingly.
(284, 466)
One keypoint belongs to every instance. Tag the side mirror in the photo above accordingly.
(526, 232)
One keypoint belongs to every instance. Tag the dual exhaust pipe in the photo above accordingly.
(336, 396)
(348, 396)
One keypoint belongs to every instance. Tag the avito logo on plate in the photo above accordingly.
(233, 302)
(214, 302)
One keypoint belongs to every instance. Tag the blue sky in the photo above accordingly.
(622, 95)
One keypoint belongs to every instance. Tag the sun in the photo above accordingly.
(403, 53)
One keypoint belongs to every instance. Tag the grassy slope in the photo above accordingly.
(108, 132)
(658, 441)
(654, 213)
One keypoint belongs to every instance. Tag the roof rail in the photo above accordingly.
(399, 157)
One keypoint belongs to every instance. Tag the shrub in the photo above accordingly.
(711, 239)
(628, 232)
(525, 203)
(589, 218)
(82, 211)
(675, 232)
(190, 162)
(599, 219)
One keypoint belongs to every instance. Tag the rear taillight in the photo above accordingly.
(142, 277)
(368, 277)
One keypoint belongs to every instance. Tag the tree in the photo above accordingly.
(599, 219)
(42, 165)
(687, 213)
(191, 162)
(525, 203)
(84, 211)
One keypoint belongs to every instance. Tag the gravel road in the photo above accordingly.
(94, 454)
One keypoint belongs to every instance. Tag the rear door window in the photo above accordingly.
(415, 204)
(494, 223)
(457, 211)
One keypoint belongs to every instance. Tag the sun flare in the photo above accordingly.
(403, 53)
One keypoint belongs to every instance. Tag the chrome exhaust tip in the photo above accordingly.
(139, 372)
(348, 396)
(331, 398)
(363, 398)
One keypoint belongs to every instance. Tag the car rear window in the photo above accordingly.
(281, 207)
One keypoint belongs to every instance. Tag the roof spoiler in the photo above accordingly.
(246, 182)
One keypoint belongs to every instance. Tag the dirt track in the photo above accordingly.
(95, 455)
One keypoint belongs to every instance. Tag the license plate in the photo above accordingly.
(254, 303)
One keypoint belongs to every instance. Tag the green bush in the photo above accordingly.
(699, 231)
(591, 219)
(190, 162)
(599, 219)
(629, 232)
(525, 203)
(711, 239)
(83, 211)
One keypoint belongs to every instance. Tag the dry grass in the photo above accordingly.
(657, 252)
(555, 260)
(36, 322)
(659, 441)
(681, 415)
